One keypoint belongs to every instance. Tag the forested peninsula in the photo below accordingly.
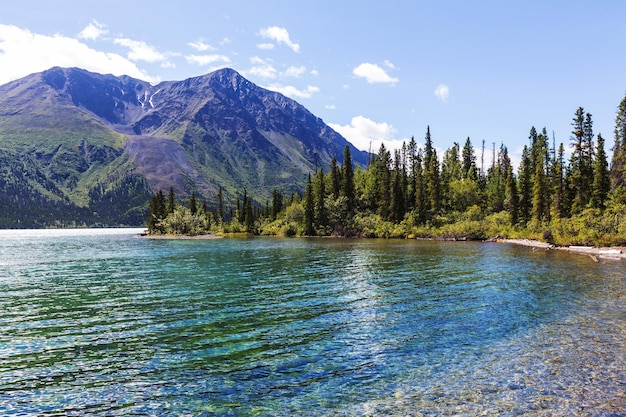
(414, 193)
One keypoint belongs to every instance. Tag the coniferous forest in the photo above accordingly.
(413, 192)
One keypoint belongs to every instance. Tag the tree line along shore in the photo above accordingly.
(412, 192)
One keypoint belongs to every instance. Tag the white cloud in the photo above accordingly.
(330, 107)
(295, 72)
(373, 74)
(280, 35)
(263, 71)
(389, 65)
(200, 46)
(265, 46)
(141, 51)
(262, 68)
(293, 92)
(93, 31)
(256, 60)
(315, 72)
(204, 60)
(442, 92)
(23, 52)
(367, 135)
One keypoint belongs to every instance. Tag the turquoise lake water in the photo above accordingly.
(101, 322)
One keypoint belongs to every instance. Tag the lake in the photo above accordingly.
(101, 322)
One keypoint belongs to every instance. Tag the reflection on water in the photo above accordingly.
(105, 323)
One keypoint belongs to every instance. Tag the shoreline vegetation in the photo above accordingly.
(413, 193)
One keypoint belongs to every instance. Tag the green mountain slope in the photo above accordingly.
(80, 148)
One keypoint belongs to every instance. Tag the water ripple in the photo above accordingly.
(108, 324)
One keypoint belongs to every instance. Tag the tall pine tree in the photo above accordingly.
(397, 206)
(335, 178)
(171, 201)
(601, 179)
(470, 170)
(511, 201)
(431, 176)
(540, 188)
(414, 164)
(309, 209)
(192, 204)
(319, 189)
(618, 161)
(525, 186)
(220, 205)
(581, 164)
(558, 206)
(348, 180)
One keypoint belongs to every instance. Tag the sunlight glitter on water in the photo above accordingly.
(107, 324)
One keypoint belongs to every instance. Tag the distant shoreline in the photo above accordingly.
(180, 237)
(617, 252)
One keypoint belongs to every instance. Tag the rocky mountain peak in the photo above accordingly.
(94, 133)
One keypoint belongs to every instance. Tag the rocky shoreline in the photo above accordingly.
(595, 253)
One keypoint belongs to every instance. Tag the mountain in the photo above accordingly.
(83, 148)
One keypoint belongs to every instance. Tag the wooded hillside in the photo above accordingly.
(412, 192)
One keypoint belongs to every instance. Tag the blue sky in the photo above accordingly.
(374, 71)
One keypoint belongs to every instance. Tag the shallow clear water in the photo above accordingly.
(100, 322)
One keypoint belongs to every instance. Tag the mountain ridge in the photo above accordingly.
(95, 135)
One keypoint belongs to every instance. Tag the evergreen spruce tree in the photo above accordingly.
(511, 201)
(581, 161)
(570, 190)
(335, 178)
(277, 203)
(495, 187)
(451, 170)
(157, 213)
(470, 169)
(577, 161)
(532, 139)
(192, 204)
(239, 210)
(420, 190)
(414, 166)
(382, 180)
(618, 161)
(248, 213)
(601, 179)
(348, 190)
(161, 212)
(152, 216)
(431, 176)
(589, 150)
(540, 210)
(397, 207)
(220, 205)
(309, 209)
(171, 201)
(558, 184)
(525, 187)
(319, 189)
